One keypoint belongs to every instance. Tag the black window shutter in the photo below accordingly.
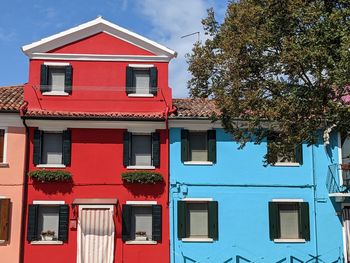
(130, 87)
(44, 78)
(304, 221)
(181, 219)
(63, 222)
(32, 230)
(126, 224)
(156, 222)
(213, 220)
(153, 72)
(212, 146)
(37, 146)
(299, 154)
(273, 220)
(68, 79)
(156, 149)
(66, 147)
(126, 148)
(185, 146)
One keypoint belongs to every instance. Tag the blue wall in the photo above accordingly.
(243, 187)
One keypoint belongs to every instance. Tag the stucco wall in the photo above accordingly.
(11, 181)
(243, 187)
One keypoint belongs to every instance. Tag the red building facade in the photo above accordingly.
(96, 107)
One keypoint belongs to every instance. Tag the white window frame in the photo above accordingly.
(4, 162)
(58, 165)
(141, 66)
(200, 163)
(140, 167)
(57, 65)
(289, 240)
(340, 160)
(47, 203)
(138, 204)
(197, 200)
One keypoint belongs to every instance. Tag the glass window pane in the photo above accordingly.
(48, 218)
(198, 146)
(52, 148)
(142, 80)
(289, 220)
(197, 220)
(142, 222)
(56, 79)
(141, 150)
(345, 150)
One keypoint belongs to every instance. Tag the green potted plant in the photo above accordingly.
(141, 236)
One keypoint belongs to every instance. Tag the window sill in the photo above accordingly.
(286, 164)
(141, 167)
(55, 93)
(285, 240)
(43, 242)
(139, 242)
(4, 165)
(51, 166)
(198, 163)
(202, 240)
(134, 95)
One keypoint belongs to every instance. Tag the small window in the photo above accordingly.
(56, 79)
(293, 155)
(141, 81)
(141, 150)
(198, 146)
(141, 153)
(198, 220)
(289, 220)
(52, 148)
(142, 223)
(47, 222)
(2, 145)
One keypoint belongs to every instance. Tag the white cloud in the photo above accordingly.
(169, 21)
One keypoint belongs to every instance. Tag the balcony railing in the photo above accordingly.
(338, 178)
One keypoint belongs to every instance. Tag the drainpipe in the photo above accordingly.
(314, 182)
(22, 111)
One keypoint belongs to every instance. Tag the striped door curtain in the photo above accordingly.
(346, 224)
(95, 236)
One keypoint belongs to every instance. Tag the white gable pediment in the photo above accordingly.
(40, 48)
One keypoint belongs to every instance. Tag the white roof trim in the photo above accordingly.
(93, 27)
(96, 57)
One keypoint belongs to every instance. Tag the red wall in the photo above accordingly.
(96, 166)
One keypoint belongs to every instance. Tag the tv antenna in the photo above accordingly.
(195, 33)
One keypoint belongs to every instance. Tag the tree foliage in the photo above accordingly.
(276, 65)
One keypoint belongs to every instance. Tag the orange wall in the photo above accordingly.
(11, 181)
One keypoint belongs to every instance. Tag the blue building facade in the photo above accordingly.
(226, 206)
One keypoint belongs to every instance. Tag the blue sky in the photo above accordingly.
(25, 21)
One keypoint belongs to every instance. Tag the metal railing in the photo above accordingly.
(338, 179)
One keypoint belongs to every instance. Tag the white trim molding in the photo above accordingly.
(43, 242)
(190, 239)
(50, 166)
(140, 167)
(141, 65)
(198, 163)
(288, 200)
(292, 240)
(4, 161)
(286, 164)
(194, 124)
(141, 203)
(11, 120)
(57, 64)
(197, 199)
(93, 27)
(55, 93)
(137, 95)
(97, 124)
(139, 242)
(48, 202)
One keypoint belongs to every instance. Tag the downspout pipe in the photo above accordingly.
(314, 182)
(22, 111)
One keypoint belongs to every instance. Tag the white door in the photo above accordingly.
(95, 234)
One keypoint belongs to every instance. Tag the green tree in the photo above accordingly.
(279, 67)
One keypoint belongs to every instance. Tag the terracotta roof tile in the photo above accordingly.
(11, 98)
(194, 108)
(95, 115)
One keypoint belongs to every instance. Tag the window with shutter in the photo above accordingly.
(4, 219)
(198, 220)
(141, 81)
(142, 223)
(289, 221)
(56, 79)
(293, 156)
